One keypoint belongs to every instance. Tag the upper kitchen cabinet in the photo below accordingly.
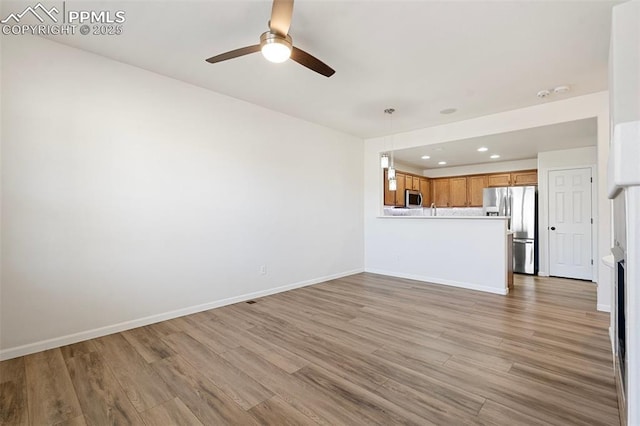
(394, 198)
(425, 190)
(389, 196)
(524, 178)
(412, 182)
(416, 183)
(466, 191)
(500, 179)
(401, 180)
(475, 187)
(458, 191)
(519, 178)
(440, 192)
(405, 181)
(454, 191)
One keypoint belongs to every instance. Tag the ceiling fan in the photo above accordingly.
(276, 44)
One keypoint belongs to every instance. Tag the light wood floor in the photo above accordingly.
(365, 349)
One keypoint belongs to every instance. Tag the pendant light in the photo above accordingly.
(384, 157)
(384, 160)
(391, 172)
(393, 185)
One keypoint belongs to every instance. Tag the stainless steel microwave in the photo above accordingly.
(412, 199)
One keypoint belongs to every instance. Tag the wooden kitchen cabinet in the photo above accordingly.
(405, 181)
(416, 183)
(401, 179)
(475, 187)
(394, 198)
(440, 192)
(525, 177)
(412, 182)
(389, 196)
(425, 190)
(466, 191)
(408, 182)
(458, 191)
(501, 179)
(455, 191)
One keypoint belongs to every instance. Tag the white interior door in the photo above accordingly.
(570, 223)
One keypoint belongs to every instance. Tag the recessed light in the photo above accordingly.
(425, 157)
(448, 111)
(442, 163)
(561, 89)
(483, 149)
(439, 149)
(494, 156)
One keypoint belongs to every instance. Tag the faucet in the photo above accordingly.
(434, 209)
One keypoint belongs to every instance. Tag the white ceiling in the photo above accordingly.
(419, 57)
(517, 145)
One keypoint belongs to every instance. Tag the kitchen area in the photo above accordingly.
(511, 195)
(476, 204)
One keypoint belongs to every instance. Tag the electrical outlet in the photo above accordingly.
(263, 269)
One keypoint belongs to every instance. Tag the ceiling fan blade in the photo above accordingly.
(311, 62)
(281, 13)
(234, 54)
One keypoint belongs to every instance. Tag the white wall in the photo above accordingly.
(503, 166)
(624, 61)
(557, 160)
(624, 64)
(460, 252)
(604, 231)
(407, 168)
(129, 197)
(576, 108)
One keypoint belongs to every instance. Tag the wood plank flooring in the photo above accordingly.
(364, 349)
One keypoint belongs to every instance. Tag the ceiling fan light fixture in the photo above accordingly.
(275, 48)
(276, 44)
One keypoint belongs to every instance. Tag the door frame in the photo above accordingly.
(543, 218)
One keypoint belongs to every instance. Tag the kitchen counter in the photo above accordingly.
(471, 252)
(446, 217)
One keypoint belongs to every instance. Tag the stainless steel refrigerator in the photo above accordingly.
(520, 204)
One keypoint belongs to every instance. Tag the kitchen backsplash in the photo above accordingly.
(458, 211)
(444, 211)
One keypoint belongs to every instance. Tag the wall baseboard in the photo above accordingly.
(68, 339)
(468, 286)
(603, 308)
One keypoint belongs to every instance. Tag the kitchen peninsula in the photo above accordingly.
(471, 252)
